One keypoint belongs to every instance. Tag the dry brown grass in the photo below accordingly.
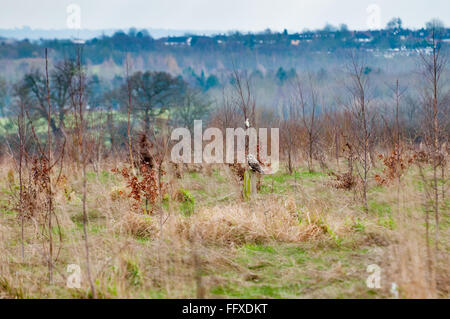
(132, 257)
(418, 270)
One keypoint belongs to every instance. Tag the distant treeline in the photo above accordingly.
(329, 39)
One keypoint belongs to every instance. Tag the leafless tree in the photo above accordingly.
(397, 133)
(243, 97)
(78, 99)
(362, 119)
(193, 106)
(435, 106)
(290, 130)
(226, 114)
(152, 93)
(334, 120)
(22, 135)
(49, 177)
(130, 152)
(57, 82)
(306, 96)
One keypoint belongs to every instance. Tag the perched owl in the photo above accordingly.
(254, 164)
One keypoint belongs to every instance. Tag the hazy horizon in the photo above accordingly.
(204, 16)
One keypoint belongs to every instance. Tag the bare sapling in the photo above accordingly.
(434, 103)
(79, 106)
(130, 151)
(361, 118)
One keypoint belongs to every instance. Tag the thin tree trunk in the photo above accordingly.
(21, 153)
(49, 186)
(436, 142)
(336, 143)
(130, 152)
(310, 152)
(289, 161)
(81, 139)
(366, 144)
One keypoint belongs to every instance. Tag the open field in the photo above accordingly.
(300, 237)
(189, 151)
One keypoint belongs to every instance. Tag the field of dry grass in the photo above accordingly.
(299, 238)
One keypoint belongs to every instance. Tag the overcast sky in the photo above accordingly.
(246, 15)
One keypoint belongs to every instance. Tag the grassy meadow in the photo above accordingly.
(299, 237)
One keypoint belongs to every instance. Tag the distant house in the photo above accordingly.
(362, 37)
(77, 41)
(178, 41)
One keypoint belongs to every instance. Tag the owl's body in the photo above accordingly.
(254, 164)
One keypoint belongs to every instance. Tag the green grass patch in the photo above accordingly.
(103, 177)
(310, 175)
(219, 178)
(194, 175)
(259, 248)
(187, 201)
(376, 189)
(384, 213)
(379, 208)
(293, 271)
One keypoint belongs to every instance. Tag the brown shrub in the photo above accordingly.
(344, 181)
(395, 166)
